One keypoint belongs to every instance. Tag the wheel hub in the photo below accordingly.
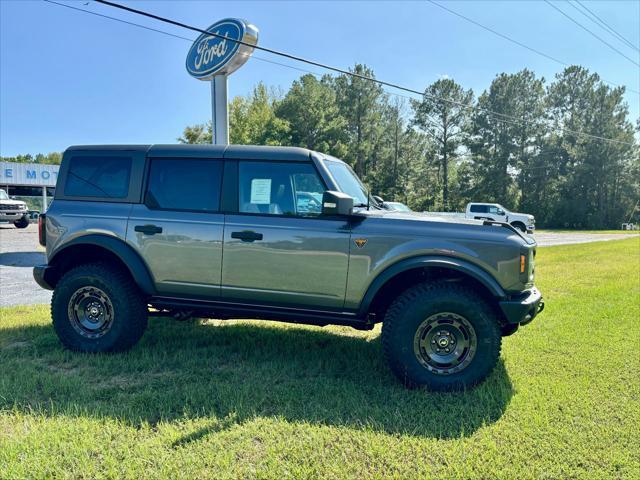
(445, 343)
(90, 312)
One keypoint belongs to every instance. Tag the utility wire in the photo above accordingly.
(516, 42)
(590, 32)
(500, 116)
(606, 26)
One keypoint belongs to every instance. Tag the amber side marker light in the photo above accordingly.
(521, 263)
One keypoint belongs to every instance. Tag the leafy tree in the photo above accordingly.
(360, 103)
(505, 144)
(310, 109)
(443, 113)
(252, 121)
(595, 187)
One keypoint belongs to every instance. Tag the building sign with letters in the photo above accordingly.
(38, 174)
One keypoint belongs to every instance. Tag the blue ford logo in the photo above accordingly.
(221, 53)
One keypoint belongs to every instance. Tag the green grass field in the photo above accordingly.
(263, 400)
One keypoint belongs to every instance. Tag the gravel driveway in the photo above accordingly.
(19, 252)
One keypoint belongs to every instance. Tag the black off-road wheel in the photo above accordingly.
(98, 308)
(442, 336)
(22, 223)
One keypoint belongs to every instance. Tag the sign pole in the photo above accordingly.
(219, 111)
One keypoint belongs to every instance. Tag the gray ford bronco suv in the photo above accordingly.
(276, 233)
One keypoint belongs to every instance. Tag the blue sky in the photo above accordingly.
(71, 78)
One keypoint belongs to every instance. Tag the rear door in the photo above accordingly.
(278, 249)
(178, 228)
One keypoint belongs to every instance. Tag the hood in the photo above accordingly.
(16, 203)
(419, 216)
(414, 222)
(530, 217)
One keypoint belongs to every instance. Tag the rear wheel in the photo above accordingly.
(22, 223)
(443, 336)
(98, 308)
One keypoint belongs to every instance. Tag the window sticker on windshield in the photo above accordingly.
(261, 191)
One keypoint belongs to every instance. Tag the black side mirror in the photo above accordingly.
(336, 203)
(378, 199)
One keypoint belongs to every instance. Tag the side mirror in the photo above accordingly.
(500, 211)
(336, 203)
(378, 199)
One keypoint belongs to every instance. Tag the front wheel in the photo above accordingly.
(441, 335)
(98, 308)
(22, 223)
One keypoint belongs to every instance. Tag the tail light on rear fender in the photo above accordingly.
(42, 229)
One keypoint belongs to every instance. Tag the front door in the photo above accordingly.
(178, 229)
(278, 249)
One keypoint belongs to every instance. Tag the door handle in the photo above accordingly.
(148, 229)
(247, 236)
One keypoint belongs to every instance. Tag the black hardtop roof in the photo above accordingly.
(246, 152)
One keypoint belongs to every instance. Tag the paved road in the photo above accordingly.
(19, 252)
(548, 239)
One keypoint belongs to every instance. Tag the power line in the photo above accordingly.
(605, 25)
(499, 116)
(516, 42)
(590, 32)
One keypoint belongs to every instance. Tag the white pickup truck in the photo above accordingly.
(14, 211)
(496, 212)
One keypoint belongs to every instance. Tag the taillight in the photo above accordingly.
(42, 229)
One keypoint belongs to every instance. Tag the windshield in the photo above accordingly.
(401, 207)
(347, 181)
(3, 195)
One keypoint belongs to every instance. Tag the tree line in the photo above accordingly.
(519, 143)
(526, 143)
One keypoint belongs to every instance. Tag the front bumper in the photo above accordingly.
(43, 275)
(12, 216)
(524, 307)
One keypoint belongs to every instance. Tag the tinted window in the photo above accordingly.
(98, 177)
(478, 208)
(184, 184)
(348, 181)
(275, 188)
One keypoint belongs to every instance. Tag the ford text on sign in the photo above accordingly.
(220, 52)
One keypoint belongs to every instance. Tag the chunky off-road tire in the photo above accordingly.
(22, 223)
(428, 319)
(98, 308)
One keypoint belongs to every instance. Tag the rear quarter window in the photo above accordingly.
(99, 176)
(479, 208)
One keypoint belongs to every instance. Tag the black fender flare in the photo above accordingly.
(452, 263)
(134, 263)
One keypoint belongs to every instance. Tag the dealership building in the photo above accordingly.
(33, 183)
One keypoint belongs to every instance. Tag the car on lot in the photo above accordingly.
(13, 211)
(395, 206)
(281, 234)
(496, 212)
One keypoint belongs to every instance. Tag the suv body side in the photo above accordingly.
(305, 263)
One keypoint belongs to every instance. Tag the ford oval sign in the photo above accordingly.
(220, 53)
